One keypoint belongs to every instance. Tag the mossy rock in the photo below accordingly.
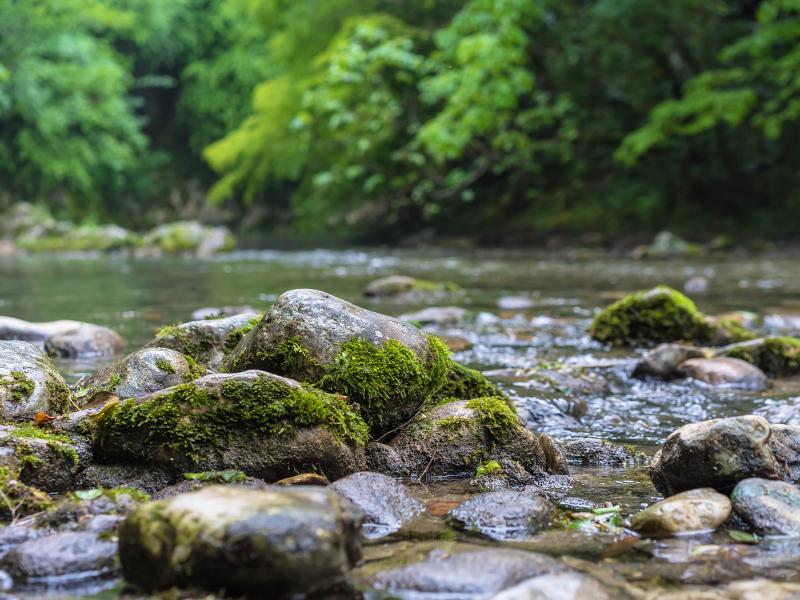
(207, 341)
(776, 356)
(141, 373)
(456, 438)
(660, 315)
(40, 458)
(406, 288)
(83, 238)
(18, 499)
(187, 237)
(387, 367)
(262, 424)
(29, 383)
(463, 383)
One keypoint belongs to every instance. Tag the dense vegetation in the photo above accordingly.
(507, 118)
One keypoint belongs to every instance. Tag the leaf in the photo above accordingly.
(605, 510)
(88, 494)
(42, 418)
(743, 536)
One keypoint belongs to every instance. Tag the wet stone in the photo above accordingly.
(29, 383)
(556, 586)
(770, 507)
(664, 360)
(504, 515)
(691, 511)
(600, 453)
(725, 371)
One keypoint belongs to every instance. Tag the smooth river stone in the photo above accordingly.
(771, 507)
(722, 370)
(696, 510)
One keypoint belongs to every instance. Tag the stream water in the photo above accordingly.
(525, 309)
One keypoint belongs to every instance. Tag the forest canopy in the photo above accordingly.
(362, 118)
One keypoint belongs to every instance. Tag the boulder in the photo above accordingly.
(382, 458)
(67, 237)
(147, 479)
(206, 341)
(141, 373)
(66, 556)
(453, 439)
(725, 371)
(436, 315)
(659, 315)
(29, 383)
(406, 288)
(770, 507)
(664, 360)
(776, 356)
(86, 341)
(387, 367)
(259, 423)
(717, 453)
(784, 441)
(385, 502)
(17, 329)
(504, 515)
(593, 452)
(187, 237)
(39, 458)
(556, 586)
(292, 541)
(668, 245)
(695, 510)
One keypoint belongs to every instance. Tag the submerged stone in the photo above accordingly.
(504, 515)
(29, 383)
(659, 315)
(259, 423)
(387, 367)
(600, 453)
(770, 507)
(695, 510)
(290, 541)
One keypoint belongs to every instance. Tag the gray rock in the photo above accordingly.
(665, 360)
(454, 438)
(725, 371)
(305, 336)
(86, 341)
(436, 315)
(29, 383)
(700, 509)
(556, 586)
(288, 540)
(466, 572)
(145, 478)
(207, 341)
(64, 555)
(600, 453)
(385, 502)
(218, 312)
(46, 461)
(717, 453)
(405, 288)
(259, 423)
(770, 507)
(514, 303)
(504, 515)
(784, 441)
(382, 458)
(17, 329)
(555, 457)
(141, 373)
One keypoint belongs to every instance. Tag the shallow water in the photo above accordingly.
(561, 293)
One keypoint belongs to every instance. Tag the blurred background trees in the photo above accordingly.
(372, 119)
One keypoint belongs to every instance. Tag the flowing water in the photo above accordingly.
(526, 310)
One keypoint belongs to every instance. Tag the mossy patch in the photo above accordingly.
(19, 386)
(489, 468)
(197, 342)
(495, 416)
(463, 383)
(60, 396)
(195, 370)
(226, 476)
(777, 356)
(164, 365)
(57, 442)
(235, 336)
(660, 315)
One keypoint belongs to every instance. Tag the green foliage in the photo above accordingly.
(489, 468)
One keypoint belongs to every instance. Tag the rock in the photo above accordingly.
(454, 438)
(514, 303)
(770, 507)
(87, 341)
(219, 312)
(784, 441)
(504, 515)
(259, 423)
(557, 586)
(700, 509)
(382, 458)
(385, 502)
(466, 572)
(207, 341)
(783, 322)
(776, 356)
(592, 452)
(141, 373)
(67, 555)
(39, 458)
(668, 245)
(17, 329)
(436, 315)
(304, 479)
(198, 481)
(406, 288)
(717, 453)
(660, 315)
(29, 383)
(148, 479)
(696, 285)
(725, 371)
(292, 541)
(67, 237)
(463, 383)
(22, 217)
(187, 237)
(456, 343)
(664, 360)
(555, 457)
(387, 367)
(573, 380)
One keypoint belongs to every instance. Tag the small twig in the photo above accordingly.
(425, 470)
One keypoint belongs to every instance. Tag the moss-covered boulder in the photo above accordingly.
(463, 383)
(282, 542)
(387, 367)
(659, 315)
(41, 458)
(29, 383)
(187, 237)
(455, 438)
(207, 341)
(776, 356)
(66, 237)
(262, 424)
(141, 373)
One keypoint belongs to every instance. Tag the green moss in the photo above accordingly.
(195, 370)
(463, 383)
(290, 358)
(60, 397)
(777, 356)
(112, 383)
(190, 420)
(133, 493)
(58, 442)
(226, 476)
(27, 457)
(659, 315)
(235, 336)
(490, 468)
(17, 499)
(164, 365)
(19, 386)
(495, 416)
(197, 342)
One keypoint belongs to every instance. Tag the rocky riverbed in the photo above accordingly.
(467, 432)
